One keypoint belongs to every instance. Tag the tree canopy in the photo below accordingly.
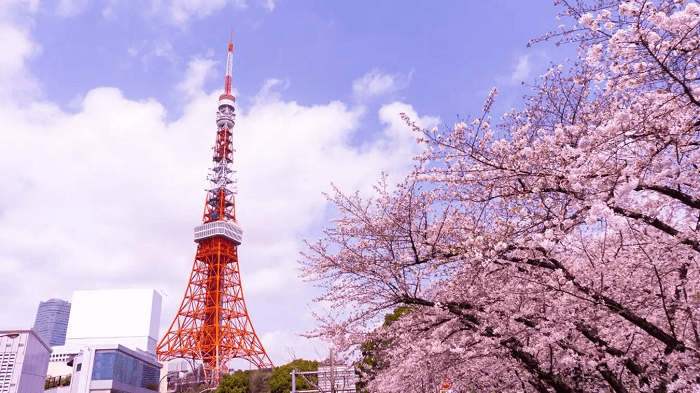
(553, 251)
(281, 379)
(234, 383)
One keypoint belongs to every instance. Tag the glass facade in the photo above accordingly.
(117, 366)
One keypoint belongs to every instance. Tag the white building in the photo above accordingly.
(129, 317)
(24, 358)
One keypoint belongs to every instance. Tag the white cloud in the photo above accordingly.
(160, 48)
(149, 50)
(109, 12)
(521, 70)
(267, 95)
(268, 4)
(182, 11)
(9, 8)
(70, 7)
(17, 48)
(198, 72)
(375, 83)
(398, 138)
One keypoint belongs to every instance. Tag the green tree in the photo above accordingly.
(234, 383)
(372, 362)
(281, 378)
(260, 380)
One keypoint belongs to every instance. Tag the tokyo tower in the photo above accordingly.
(212, 325)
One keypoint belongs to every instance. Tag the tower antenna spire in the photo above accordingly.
(229, 66)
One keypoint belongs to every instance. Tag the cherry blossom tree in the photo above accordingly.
(556, 250)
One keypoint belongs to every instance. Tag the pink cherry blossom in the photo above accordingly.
(555, 251)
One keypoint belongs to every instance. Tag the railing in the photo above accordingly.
(230, 230)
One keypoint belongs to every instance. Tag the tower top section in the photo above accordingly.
(219, 218)
(227, 96)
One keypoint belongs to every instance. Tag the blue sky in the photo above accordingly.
(107, 112)
(453, 51)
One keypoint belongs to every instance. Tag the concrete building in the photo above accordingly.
(24, 358)
(114, 368)
(129, 317)
(52, 321)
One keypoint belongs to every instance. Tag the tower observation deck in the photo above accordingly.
(212, 325)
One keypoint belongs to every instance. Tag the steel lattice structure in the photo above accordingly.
(212, 325)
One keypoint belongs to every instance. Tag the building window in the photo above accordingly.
(123, 368)
(103, 368)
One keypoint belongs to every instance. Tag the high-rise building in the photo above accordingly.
(52, 321)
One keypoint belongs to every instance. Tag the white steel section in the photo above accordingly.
(230, 230)
(225, 116)
(229, 64)
(227, 100)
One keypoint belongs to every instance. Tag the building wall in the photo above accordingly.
(82, 369)
(128, 317)
(52, 321)
(23, 361)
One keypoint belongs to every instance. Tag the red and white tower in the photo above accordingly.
(212, 325)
